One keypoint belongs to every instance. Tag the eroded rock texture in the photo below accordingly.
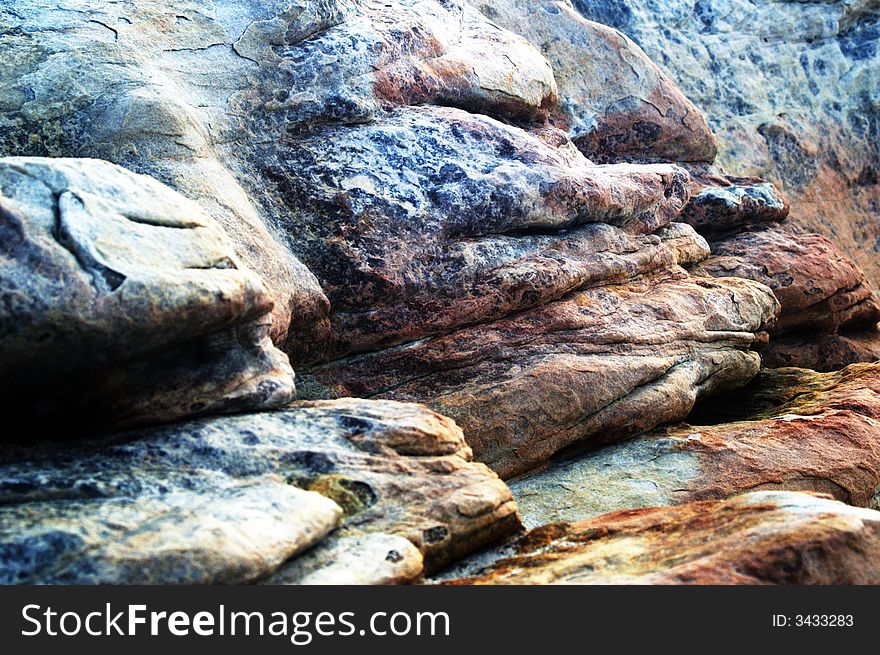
(525, 387)
(765, 537)
(791, 91)
(791, 429)
(613, 100)
(123, 303)
(436, 210)
(828, 311)
(232, 499)
(388, 169)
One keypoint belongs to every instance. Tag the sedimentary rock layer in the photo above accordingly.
(763, 537)
(828, 312)
(603, 364)
(231, 499)
(791, 429)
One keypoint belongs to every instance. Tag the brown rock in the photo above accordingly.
(230, 499)
(790, 429)
(764, 537)
(525, 387)
(829, 313)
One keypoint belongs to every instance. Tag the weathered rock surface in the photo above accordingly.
(467, 261)
(525, 387)
(829, 313)
(764, 537)
(791, 91)
(790, 429)
(613, 100)
(722, 205)
(123, 303)
(195, 95)
(230, 499)
(375, 558)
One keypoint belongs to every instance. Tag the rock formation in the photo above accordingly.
(437, 240)
(828, 311)
(500, 211)
(790, 429)
(123, 303)
(790, 89)
(231, 499)
(758, 538)
(613, 100)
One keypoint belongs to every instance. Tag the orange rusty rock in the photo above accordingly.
(766, 537)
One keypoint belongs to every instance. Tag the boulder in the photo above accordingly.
(791, 429)
(124, 303)
(232, 499)
(764, 537)
(614, 102)
(723, 205)
(194, 95)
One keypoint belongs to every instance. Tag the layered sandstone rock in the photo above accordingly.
(790, 89)
(124, 303)
(828, 312)
(791, 429)
(525, 387)
(387, 170)
(232, 499)
(764, 537)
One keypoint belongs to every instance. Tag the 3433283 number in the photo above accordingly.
(824, 620)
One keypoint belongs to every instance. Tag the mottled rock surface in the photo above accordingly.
(764, 537)
(389, 171)
(525, 387)
(230, 499)
(829, 313)
(723, 205)
(790, 429)
(791, 91)
(614, 102)
(124, 303)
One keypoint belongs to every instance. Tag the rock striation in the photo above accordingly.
(764, 537)
(828, 311)
(791, 429)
